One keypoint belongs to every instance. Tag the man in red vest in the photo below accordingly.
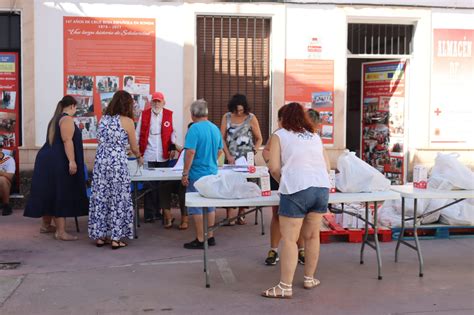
(156, 138)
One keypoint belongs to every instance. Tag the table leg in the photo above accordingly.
(417, 242)
(261, 220)
(366, 233)
(135, 208)
(402, 231)
(376, 239)
(206, 230)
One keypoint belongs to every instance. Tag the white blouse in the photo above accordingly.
(303, 163)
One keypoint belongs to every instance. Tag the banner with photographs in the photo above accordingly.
(311, 83)
(383, 107)
(102, 56)
(9, 108)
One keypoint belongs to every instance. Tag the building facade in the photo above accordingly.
(393, 82)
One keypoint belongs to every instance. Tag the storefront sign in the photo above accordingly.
(452, 93)
(311, 83)
(103, 55)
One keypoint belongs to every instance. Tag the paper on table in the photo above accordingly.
(241, 161)
(179, 166)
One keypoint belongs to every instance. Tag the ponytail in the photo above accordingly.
(65, 102)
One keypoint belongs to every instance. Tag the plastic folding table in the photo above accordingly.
(408, 191)
(196, 200)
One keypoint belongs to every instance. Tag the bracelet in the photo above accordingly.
(185, 174)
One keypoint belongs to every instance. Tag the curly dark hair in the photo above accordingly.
(121, 104)
(238, 99)
(295, 119)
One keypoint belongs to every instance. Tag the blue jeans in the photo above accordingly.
(195, 210)
(299, 204)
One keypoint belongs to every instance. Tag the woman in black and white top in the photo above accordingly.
(297, 162)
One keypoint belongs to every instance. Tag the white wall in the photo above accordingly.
(328, 24)
(49, 51)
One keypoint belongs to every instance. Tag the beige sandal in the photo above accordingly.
(286, 293)
(65, 237)
(310, 282)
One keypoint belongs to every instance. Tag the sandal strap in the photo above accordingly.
(279, 286)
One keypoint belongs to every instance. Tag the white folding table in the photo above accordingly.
(169, 174)
(196, 200)
(408, 191)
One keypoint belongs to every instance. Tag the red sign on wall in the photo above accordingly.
(9, 105)
(103, 55)
(311, 83)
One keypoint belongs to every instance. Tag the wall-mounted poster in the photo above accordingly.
(102, 56)
(383, 108)
(452, 93)
(311, 83)
(9, 108)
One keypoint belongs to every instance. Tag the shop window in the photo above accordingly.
(233, 57)
(379, 39)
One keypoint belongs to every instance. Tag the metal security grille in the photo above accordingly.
(10, 31)
(233, 57)
(380, 39)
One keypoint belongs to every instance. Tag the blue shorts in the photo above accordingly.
(299, 204)
(194, 210)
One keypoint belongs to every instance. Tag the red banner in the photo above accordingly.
(383, 103)
(9, 106)
(311, 83)
(103, 55)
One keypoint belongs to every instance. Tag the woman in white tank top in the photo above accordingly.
(297, 162)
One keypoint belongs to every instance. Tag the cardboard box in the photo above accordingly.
(251, 162)
(265, 185)
(332, 181)
(420, 177)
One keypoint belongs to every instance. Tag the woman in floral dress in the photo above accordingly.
(111, 208)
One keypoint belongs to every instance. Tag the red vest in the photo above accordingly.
(166, 131)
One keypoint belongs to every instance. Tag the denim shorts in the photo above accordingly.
(299, 204)
(195, 210)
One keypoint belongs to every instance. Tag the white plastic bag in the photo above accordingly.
(229, 185)
(448, 167)
(357, 176)
(461, 213)
(388, 214)
(133, 167)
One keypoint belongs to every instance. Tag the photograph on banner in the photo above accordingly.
(105, 99)
(139, 104)
(107, 83)
(327, 132)
(7, 100)
(7, 122)
(85, 106)
(326, 117)
(88, 127)
(321, 99)
(79, 85)
(8, 140)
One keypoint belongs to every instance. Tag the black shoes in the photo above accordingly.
(196, 244)
(272, 258)
(6, 209)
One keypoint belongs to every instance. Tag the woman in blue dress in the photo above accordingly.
(58, 188)
(111, 208)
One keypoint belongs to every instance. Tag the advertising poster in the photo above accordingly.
(383, 104)
(452, 93)
(9, 107)
(102, 56)
(311, 83)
